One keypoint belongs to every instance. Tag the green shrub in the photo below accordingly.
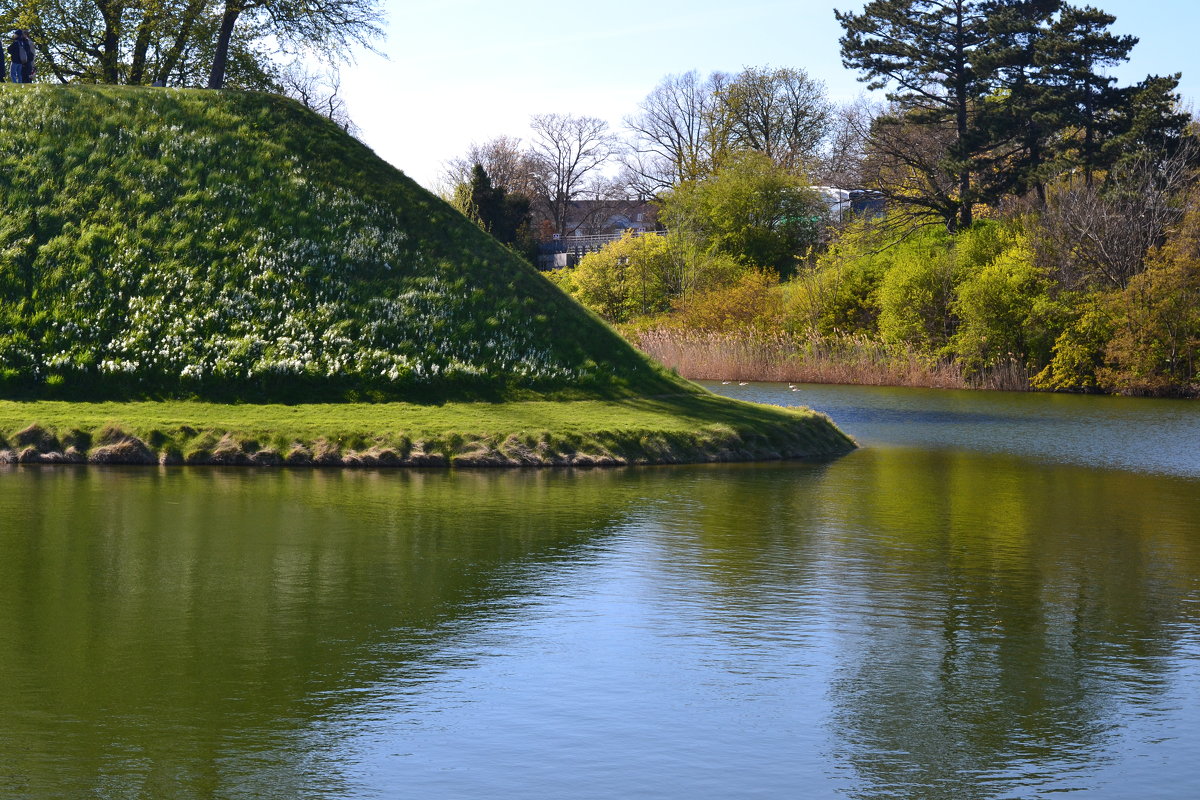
(626, 278)
(752, 304)
(1155, 347)
(841, 293)
(916, 293)
(1004, 312)
(1078, 351)
(750, 209)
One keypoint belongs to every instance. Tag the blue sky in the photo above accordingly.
(462, 71)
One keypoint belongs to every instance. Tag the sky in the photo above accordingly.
(454, 72)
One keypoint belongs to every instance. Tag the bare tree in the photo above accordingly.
(673, 132)
(909, 164)
(642, 175)
(319, 91)
(1097, 235)
(570, 154)
(844, 151)
(511, 167)
(780, 112)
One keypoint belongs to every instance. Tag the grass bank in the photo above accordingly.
(666, 430)
(236, 247)
(781, 357)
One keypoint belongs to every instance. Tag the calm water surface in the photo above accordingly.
(997, 597)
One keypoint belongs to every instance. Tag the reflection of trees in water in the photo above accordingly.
(733, 553)
(215, 629)
(1000, 618)
(200, 629)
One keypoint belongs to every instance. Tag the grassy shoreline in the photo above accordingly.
(674, 429)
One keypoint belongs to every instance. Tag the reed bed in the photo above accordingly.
(782, 357)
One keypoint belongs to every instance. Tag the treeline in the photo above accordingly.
(688, 130)
(1040, 229)
(989, 100)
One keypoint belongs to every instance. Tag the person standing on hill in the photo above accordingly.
(20, 53)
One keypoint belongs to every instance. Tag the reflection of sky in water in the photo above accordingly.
(1120, 432)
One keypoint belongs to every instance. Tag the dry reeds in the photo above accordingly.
(760, 356)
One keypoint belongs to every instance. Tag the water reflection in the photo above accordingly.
(997, 642)
(1131, 433)
(211, 623)
(902, 622)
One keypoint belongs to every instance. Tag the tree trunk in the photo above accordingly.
(110, 59)
(190, 15)
(962, 120)
(137, 64)
(216, 79)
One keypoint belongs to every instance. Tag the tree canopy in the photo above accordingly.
(214, 43)
(1002, 95)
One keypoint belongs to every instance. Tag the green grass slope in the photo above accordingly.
(667, 430)
(175, 262)
(174, 243)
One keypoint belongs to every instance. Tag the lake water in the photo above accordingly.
(998, 596)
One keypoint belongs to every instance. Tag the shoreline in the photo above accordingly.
(639, 431)
(850, 361)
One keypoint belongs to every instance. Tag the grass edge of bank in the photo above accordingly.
(663, 430)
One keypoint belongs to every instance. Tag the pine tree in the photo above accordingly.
(1024, 111)
(1150, 121)
(1076, 51)
(924, 51)
(485, 199)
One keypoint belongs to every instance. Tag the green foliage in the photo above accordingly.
(1155, 348)
(1004, 312)
(840, 295)
(494, 209)
(916, 293)
(626, 278)
(750, 209)
(641, 275)
(563, 278)
(233, 245)
(753, 303)
(977, 297)
(695, 267)
(1078, 352)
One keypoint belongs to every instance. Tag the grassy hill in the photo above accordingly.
(162, 244)
(236, 246)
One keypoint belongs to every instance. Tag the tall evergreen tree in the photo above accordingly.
(1150, 122)
(503, 214)
(1077, 49)
(1024, 86)
(483, 198)
(1023, 111)
(924, 52)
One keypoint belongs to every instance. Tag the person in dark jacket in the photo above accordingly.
(20, 57)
